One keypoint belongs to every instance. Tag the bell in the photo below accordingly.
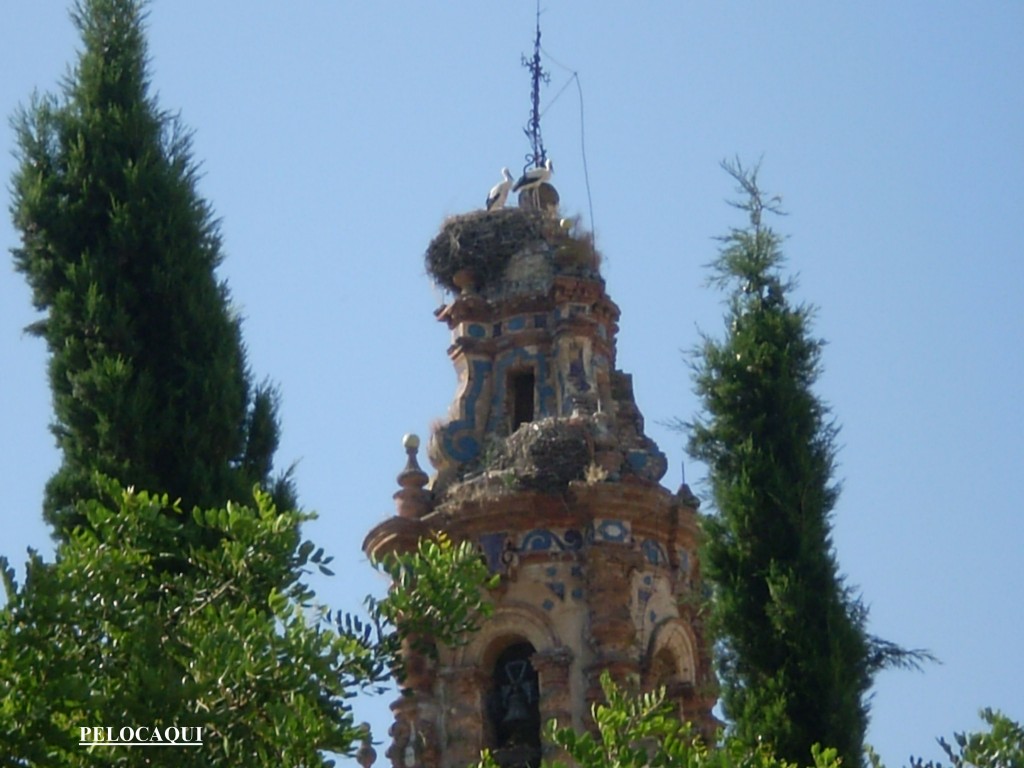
(517, 713)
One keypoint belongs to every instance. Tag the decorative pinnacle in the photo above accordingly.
(367, 755)
(412, 476)
(412, 500)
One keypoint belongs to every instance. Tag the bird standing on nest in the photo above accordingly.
(533, 178)
(499, 192)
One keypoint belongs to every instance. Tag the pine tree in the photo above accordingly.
(149, 378)
(794, 658)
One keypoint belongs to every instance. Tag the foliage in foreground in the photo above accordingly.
(793, 654)
(125, 628)
(1001, 746)
(644, 731)
(437, 585)
(147, 366)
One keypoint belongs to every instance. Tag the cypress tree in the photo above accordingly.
(147, 367)
(794, 658)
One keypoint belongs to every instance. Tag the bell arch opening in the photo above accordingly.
(514, 708)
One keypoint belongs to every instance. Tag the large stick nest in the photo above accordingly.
(546, 455)
(481, 241)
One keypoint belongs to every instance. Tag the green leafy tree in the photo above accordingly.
(127, 628)
(644, 731)
(793, 654)
(148, 372)
(1001, 746)
(429, 589)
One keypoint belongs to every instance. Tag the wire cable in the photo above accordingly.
(583, 144)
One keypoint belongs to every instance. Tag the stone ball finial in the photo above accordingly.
(411, 499)
(410, 476)
(366, 755)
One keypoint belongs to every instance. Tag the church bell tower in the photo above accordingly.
(543, 463)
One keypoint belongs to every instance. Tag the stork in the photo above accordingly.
(534, 177)
(499, 192)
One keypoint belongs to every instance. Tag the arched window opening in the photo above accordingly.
(665, 673)
(671, 661)
(515, 708)
(663, 669)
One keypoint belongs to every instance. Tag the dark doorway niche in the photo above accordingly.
(521, 387)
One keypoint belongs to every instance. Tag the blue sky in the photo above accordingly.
(336, 136)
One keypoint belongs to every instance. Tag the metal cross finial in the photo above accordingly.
(538, 75)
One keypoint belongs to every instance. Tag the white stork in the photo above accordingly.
(534, 177)
(499, 192)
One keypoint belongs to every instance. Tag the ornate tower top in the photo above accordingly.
(543, 463)
(539, 402)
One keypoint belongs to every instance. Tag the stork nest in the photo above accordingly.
(548, 454)
(482, 242)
